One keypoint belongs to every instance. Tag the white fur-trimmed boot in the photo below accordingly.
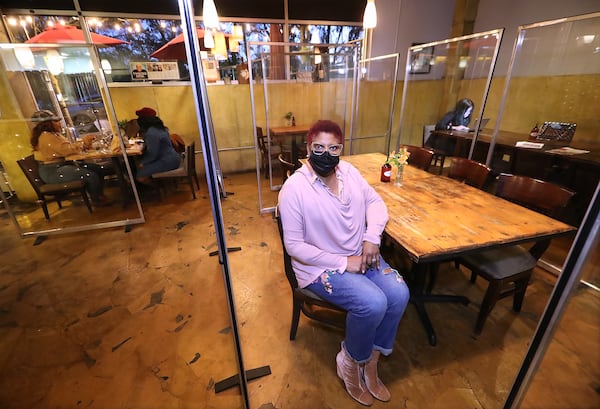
(374, 384)
(351, 373)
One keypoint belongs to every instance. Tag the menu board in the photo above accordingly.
(154, 71)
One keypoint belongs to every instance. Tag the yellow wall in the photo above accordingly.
(531, 100)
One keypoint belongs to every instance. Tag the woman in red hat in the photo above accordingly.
(159, 155)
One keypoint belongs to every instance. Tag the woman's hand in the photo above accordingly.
(88, 140)
(368, 259)
(370, 256)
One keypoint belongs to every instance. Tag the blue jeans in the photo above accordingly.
(375, 302)
(91, 173)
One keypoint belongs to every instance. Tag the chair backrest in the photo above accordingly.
(29, 166)
(287, 168)
(287, 260)
(177, 142)
(260, 137)
(419, 157)
(469, 171)
(539, 195)
(427, 133)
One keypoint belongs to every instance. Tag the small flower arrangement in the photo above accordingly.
(400, 158)
(289, 116)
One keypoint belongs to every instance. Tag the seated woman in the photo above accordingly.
(458, 120)
(159, 155)
(333, 221)
(50, 148)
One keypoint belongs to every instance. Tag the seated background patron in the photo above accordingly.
(159, 154)
(50, 148)
(456, 120)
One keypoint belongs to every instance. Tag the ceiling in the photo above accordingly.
(320, 10)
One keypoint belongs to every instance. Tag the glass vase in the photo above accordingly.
(399, 175)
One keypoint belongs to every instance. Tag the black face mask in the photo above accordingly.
(325, 164)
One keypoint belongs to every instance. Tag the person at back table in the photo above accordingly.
(456, 120)
(158, 155)
(50, 148)
(332, 221)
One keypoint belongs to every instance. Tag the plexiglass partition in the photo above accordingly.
(437, 76)
(376, 93)
(549, 107)
(65, 81)
(292, 86)
(546, 120)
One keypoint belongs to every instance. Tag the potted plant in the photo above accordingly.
(399, 159)
(288, 118)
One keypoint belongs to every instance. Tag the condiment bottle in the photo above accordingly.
(534, 131)
(293, 120)
(386, 172)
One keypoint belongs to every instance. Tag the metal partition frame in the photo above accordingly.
(54, 229)
(414, 53)
(350, 72)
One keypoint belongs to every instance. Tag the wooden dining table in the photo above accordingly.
(116, 157)
(434, 219)
(291, 132)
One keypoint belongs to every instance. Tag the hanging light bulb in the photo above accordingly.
(209, 42)
(209, 14)
(370, 16)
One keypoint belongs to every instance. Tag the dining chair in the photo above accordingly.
(304, 300)
(429, 143)
(508, 270)
(287, 167)
(265, 153)
(186, 169)
(419, 157)
(469, 171)
(52, 191)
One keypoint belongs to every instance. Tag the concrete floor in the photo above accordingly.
(108, 319)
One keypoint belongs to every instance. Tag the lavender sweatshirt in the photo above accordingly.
(321, 229)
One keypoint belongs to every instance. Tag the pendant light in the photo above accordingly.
(370, 16)
(209, 14)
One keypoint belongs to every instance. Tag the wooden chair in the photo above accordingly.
(287, 168)
(419, 157)
(469, 171)
(509, 269)
(186, 169)
(305, 301)
(53, 191)
(429, 143)
(263, 146)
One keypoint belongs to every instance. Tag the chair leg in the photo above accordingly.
(191, 182)
(86, 200)
(520, 289)
(196, 179)
(45, 209)
(473, 276)
(489, 301)
(295, 319)
(442, 160)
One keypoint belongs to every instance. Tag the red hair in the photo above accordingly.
(327, 126)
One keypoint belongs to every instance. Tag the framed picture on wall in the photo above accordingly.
(420, 62)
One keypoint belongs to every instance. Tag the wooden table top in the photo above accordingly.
(104, 154)
(435, 218)
(289, 130)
